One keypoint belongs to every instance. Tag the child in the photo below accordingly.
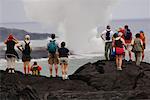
(63, 55)
(35, 68)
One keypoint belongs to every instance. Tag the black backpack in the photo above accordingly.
(107, 35)
(27, 49)
(128, 34)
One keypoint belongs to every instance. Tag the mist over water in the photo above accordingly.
(77, 20)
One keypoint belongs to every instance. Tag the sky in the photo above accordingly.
(13, 10)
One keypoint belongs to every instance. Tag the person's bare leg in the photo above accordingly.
(56, 69)
(28, 63)
(117, 61)
(66, 70)
(51, 69)
(24, 67)
(130, 56)
(120, 61)
(142, 55)
(63, 71)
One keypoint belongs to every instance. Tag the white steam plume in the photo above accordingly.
(75, 18)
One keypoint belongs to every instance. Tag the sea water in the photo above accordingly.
(75, 61)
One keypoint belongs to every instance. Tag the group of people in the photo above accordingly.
(115, 46)
(11, 54)
(57, 55)
(117, 43)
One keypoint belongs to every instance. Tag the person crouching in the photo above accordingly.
(35, 68)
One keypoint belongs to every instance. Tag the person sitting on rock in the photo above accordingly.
(35, 68)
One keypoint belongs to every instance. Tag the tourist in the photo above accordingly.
(127, 35)
(11, 55)
(119, 43)
(142, 37)
(106, 36)
(25, 48)
(52, 48)
(35, 68)
(63, 58)
(138, 48)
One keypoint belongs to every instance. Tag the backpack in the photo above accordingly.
(52, 46)
(27, 49)
(108, 35)
(128, 34)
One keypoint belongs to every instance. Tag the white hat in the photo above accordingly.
(27, 37)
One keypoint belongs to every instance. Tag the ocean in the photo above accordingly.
(75, 61)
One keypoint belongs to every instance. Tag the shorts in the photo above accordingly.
(129, 47)
(26, 58)
(63, 60)
(53, 59)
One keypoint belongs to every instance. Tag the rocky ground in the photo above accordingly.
(92, 81)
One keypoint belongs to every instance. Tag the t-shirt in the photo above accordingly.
(138, 44)
(127, 41)
(63, 52)
(103, 34)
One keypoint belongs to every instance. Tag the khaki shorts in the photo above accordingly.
(63, 60)
(53, 59)
(129, 47)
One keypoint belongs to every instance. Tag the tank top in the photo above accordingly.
(118, 43)
(137, 44)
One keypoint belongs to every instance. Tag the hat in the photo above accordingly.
(108, 26)
(10, 37)
(27, 37)
(141, 31)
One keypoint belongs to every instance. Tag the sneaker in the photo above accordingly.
(56, 76)
(130, 60)
(119, 68)
(13, 71)
(9, 71)
(63, 77)
(66, 76)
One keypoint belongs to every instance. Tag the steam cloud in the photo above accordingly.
(77, 19)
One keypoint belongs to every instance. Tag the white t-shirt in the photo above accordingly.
(103, 34)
